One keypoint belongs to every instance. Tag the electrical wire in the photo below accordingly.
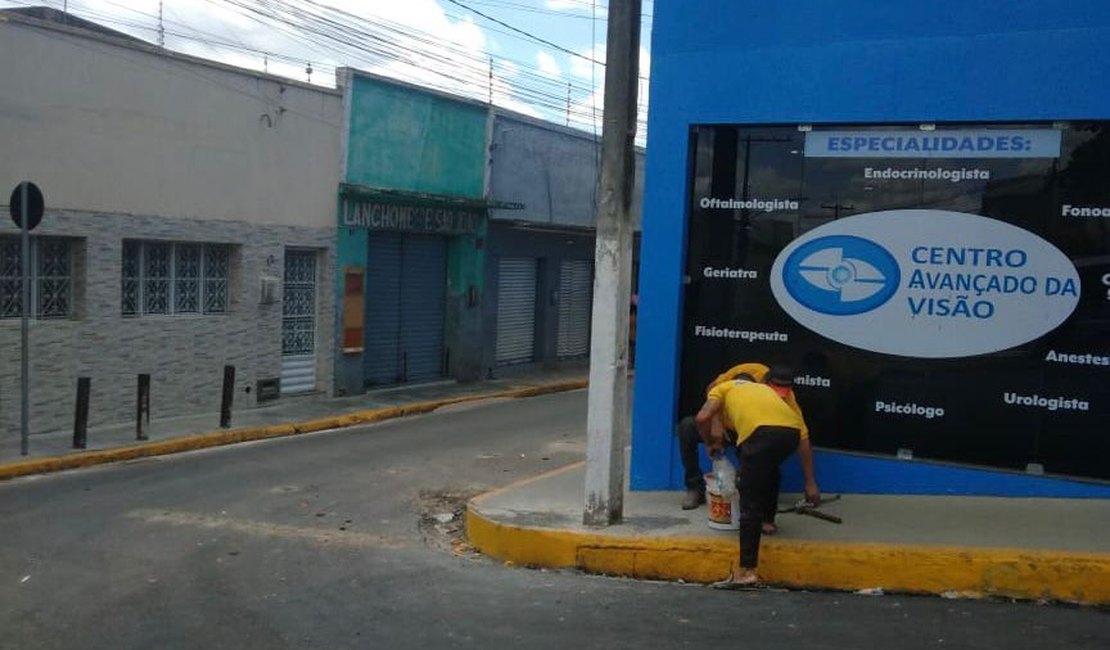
(394, 48)
(551, 97)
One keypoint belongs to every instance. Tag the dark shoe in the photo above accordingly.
(693, 498)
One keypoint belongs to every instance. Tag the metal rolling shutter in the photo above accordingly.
(424, 282)
(516, 310)
(576, 279)
(382, 354)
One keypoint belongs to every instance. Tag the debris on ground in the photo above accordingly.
(442, 519)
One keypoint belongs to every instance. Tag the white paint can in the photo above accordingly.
(724, 514)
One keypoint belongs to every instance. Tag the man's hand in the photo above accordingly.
(805, 455)
(813, 494)
(706, 419)
(714, 444)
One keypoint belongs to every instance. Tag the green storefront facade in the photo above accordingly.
(412, 222)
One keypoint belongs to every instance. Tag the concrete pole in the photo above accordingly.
(607, 414)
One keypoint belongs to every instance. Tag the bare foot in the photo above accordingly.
(745, 579)
(770, 529)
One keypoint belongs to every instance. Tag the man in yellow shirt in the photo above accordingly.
(781, 380)
(767, 432)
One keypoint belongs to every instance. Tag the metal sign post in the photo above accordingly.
(26, 206)
(24, 326)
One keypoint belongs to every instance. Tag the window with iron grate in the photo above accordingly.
(51, 277)
(174, 278)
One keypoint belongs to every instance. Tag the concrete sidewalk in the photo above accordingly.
(1055, 549)
(289, 416)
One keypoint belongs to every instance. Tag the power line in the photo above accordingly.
(425, 59)
(516, 6)
(540, 91)
(527, 35)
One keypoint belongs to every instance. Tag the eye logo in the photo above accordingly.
(841, 275)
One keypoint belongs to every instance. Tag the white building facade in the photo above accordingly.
(189, 225)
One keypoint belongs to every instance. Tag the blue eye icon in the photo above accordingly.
(841, 275)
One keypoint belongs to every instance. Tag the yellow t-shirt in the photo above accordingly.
(758, 372)
(748, 405)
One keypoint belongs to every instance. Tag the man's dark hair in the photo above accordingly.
(781, 375)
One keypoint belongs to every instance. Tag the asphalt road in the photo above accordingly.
(331, 541)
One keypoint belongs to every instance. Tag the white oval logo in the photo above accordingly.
(925, 283)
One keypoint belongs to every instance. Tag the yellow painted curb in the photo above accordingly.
(247, 434)
(972, 572)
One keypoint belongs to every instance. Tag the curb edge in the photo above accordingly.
(193, 442)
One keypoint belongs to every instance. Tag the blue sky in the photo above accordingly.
(436, 43)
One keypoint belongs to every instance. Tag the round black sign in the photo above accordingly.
(33, 209)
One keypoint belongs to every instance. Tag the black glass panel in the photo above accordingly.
(1005, 408)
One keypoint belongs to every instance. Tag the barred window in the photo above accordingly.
(174, 278)
(51, 277)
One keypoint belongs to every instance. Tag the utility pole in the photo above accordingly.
(607, 414)
(161, 26)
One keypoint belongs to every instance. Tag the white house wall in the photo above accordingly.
(131, 143)
(108, 127)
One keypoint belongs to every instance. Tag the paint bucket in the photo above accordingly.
(724, 514)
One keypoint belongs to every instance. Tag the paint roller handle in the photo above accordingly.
(813, 512)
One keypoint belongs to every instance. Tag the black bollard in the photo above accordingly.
(142, 407)
(81, 415)
(229, 394)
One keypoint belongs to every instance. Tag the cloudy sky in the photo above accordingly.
(443, 44)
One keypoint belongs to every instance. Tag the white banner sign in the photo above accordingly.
(925, 283)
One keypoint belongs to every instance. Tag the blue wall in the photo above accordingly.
(805, 62)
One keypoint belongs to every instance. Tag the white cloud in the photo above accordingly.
(583, 68)
(548, 64)
(574, 5)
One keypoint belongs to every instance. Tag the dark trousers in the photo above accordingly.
(688, 440)
(760, 457)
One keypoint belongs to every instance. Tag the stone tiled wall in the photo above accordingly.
(184, 354)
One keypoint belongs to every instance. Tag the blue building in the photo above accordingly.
(909, 204)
